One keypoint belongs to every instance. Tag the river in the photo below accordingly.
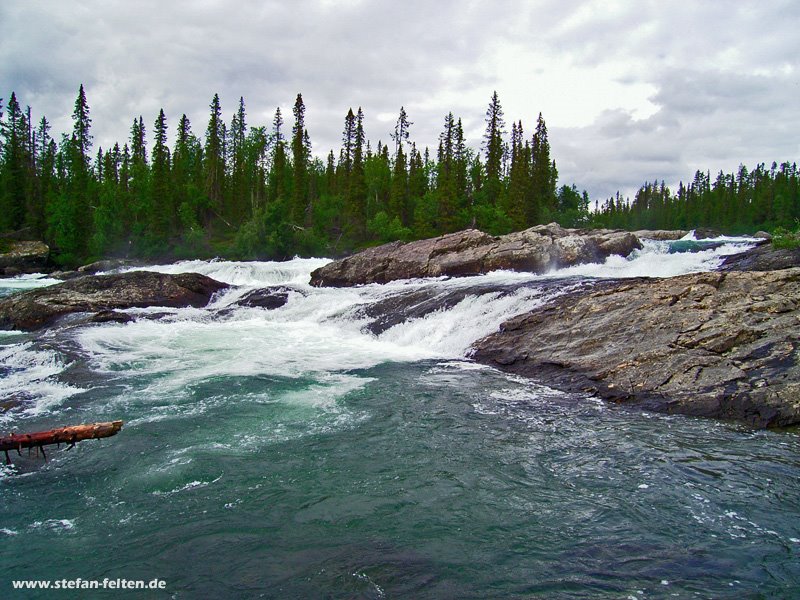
(295, 453)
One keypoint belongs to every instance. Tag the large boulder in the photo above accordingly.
(95, 293)
(661, 234)
(20, 257)
(764, 257)
(472, 252)
(709, 344)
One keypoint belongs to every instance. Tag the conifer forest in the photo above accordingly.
(244, 191)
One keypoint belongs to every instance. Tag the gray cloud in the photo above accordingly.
(645, 90)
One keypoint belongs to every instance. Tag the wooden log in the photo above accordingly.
(62, 435)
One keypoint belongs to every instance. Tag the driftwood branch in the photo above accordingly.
(62, 435)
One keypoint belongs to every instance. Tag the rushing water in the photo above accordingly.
(291, 453)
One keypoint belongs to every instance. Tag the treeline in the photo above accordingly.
(245, 191)
(741, 202)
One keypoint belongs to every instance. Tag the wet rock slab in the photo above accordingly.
(103, 294)
(762, 258)
(472, 252)
(722, 345)
(23, 256)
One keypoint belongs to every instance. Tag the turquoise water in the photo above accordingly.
(289, 454)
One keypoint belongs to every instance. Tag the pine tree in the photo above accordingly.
(162, 215)
(300, 158)
(417, 177)
(330, 175)
(543, 175)
(70, 218)
(236, 204)
(185, 160)
(398, 195)
(278, 178)
(15, 159)
(214, 159)
(108, 220)
(401, 130)
(348, 144)
(494, 148)
(516, 196)
(446, 178)
(355, 201)
(139, 182)
(81, 125)
(45, 171)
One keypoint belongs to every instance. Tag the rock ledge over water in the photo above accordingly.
(95, 293)
(472, 252)
(23, 257)
(715, 344)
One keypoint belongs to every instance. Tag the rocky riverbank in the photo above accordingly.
(721, 345)
(22, 256)
(101, 294)
(472, 252)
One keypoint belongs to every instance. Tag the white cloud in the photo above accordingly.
(630, 91)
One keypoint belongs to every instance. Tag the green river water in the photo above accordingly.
(288, 454)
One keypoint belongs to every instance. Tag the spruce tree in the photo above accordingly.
(214, 159)
(14, 181)
(81, 125)
(494, 149)
(398, 195)
(515, 197)
(300, 159)
(401, 130)
(543, 174)
(45, 171)
(348, 144)
(139, 182)
(70, 218)
(238, 154)
(277, 178)
(355, 202)
(162, 216)
(446, 178)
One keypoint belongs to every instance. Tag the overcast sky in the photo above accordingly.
(630, 90)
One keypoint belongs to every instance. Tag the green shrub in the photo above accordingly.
(785, 239)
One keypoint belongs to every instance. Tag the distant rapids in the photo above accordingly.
(320, 330)
(343, 445)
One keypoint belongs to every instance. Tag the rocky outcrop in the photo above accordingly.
(109, 264)
(661, 234)
(709, 344)
(99, 293)
(762, 258)
(472, 252)
(20, 257)
(268, 298)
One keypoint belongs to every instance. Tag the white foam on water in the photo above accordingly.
(27, 282)
(692, 236)
(31, 375)
(189, 486)
(253, 273)
(450, 333)
(57, 525)
(319, 331)
(654, 260)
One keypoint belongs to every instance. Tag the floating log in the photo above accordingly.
(62, 435)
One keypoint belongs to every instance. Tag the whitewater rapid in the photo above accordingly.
(320, 334)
